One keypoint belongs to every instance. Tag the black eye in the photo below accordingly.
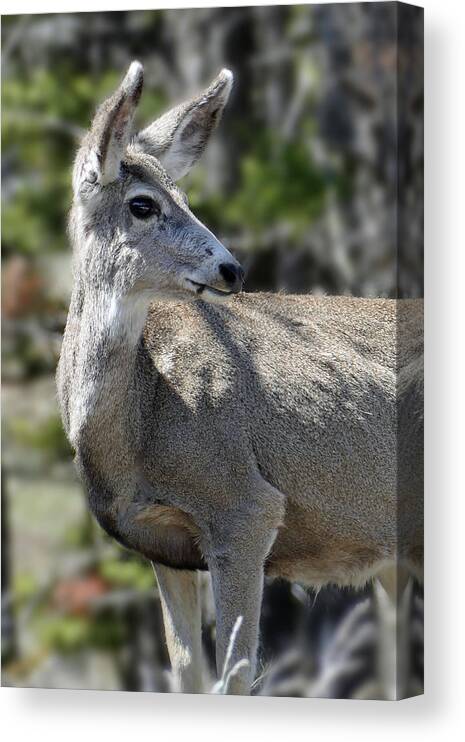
(142, 207)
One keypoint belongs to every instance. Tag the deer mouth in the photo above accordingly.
(200, 288)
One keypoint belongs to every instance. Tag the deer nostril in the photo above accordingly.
(231, 273)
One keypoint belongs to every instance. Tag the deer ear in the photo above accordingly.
(179, 137)
(99, 158)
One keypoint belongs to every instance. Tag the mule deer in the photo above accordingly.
(246, 434)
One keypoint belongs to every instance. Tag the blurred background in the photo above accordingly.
(315, 180)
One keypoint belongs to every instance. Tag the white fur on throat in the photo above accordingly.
(126, 316)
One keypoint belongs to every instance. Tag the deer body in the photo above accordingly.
(254, 435)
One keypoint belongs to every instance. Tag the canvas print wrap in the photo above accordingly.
(212, 323)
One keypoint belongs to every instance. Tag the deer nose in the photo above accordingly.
(232, 274)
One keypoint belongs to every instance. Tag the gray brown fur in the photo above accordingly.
(260, 433)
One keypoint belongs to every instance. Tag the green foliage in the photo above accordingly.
(27, 356)
(49, 437)
(69, 633)
(24, 588)
(82, 534)
(130, 572)
(279, 183)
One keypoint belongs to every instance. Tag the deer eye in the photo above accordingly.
(143, 207)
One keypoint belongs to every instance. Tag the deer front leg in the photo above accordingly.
(180, 602)
(236, 562)
(237, 591)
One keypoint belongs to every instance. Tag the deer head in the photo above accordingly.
(131, 225)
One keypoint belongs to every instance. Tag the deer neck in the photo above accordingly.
(102, 401)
